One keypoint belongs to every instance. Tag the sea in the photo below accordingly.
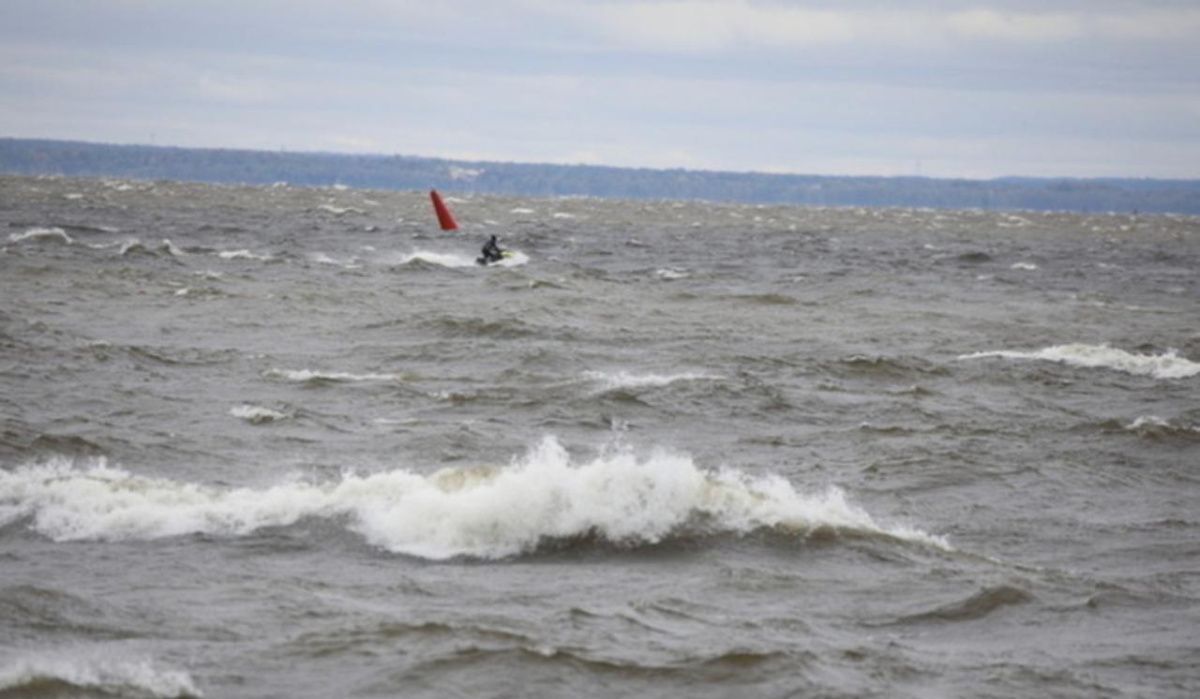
(282, 441)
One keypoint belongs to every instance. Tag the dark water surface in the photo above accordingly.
(286, 442)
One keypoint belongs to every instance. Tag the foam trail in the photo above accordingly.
(442, 259)
(485, 513)
(1165, 366)
(435, 258)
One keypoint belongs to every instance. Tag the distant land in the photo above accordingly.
(82, 159)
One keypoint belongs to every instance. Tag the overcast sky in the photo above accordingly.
(932, 87)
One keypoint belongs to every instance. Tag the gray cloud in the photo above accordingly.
(1101, 87)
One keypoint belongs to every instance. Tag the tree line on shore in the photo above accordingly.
(71, 158)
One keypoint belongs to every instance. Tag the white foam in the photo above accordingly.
(512, 258)
(338, 210)
(325, 259)
(1164, 366)
(623, 379)
(97, 672)
(485, 512)
(439, 258)
(241, 255)
(256, 414)
(668, 274)
(1029, 266)
(1154, 423)
(307, 375)
(40, 233)
(445, 259)
(1147, 421)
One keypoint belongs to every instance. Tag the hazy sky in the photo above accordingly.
(932, 87)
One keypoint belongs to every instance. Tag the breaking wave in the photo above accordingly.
(66, 674)
(256, 414)
(40, 234)
(1157, 427)
(1164, 366)
(485, 512)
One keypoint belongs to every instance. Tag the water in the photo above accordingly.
(269, 442)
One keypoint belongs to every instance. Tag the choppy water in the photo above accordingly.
(269, 442)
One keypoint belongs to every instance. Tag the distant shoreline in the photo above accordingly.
(398, 172)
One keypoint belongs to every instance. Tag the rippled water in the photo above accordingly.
(295, 442)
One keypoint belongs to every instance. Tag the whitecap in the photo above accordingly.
(257, 415)
(338, 210)
(95, 671)
(613, 380)
(482, 512)
(41, 234)
(132, 245)
(1164, 366)
(310, 376)
(325, 259)
(241, 255)
(1024, 266)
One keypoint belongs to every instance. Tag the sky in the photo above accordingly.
(939, 88)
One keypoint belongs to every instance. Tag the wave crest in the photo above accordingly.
(51, 675)
(485, 512)
(1164, 366)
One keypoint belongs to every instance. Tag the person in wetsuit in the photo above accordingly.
(491, 252)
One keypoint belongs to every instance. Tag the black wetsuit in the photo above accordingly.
(491, 252)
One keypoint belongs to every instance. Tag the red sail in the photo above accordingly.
(445, 218)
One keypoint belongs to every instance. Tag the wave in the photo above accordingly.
(976, 606)
(542, 499)
(133, 246)
(615, 381)
(325, 259)
(340, 210)
(669, 274)
(455, 260)
(41, 234)
(1164, 366)
(242, 255)
(309, 376)
(71, 672)
(257, 415)
(1153, 426)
